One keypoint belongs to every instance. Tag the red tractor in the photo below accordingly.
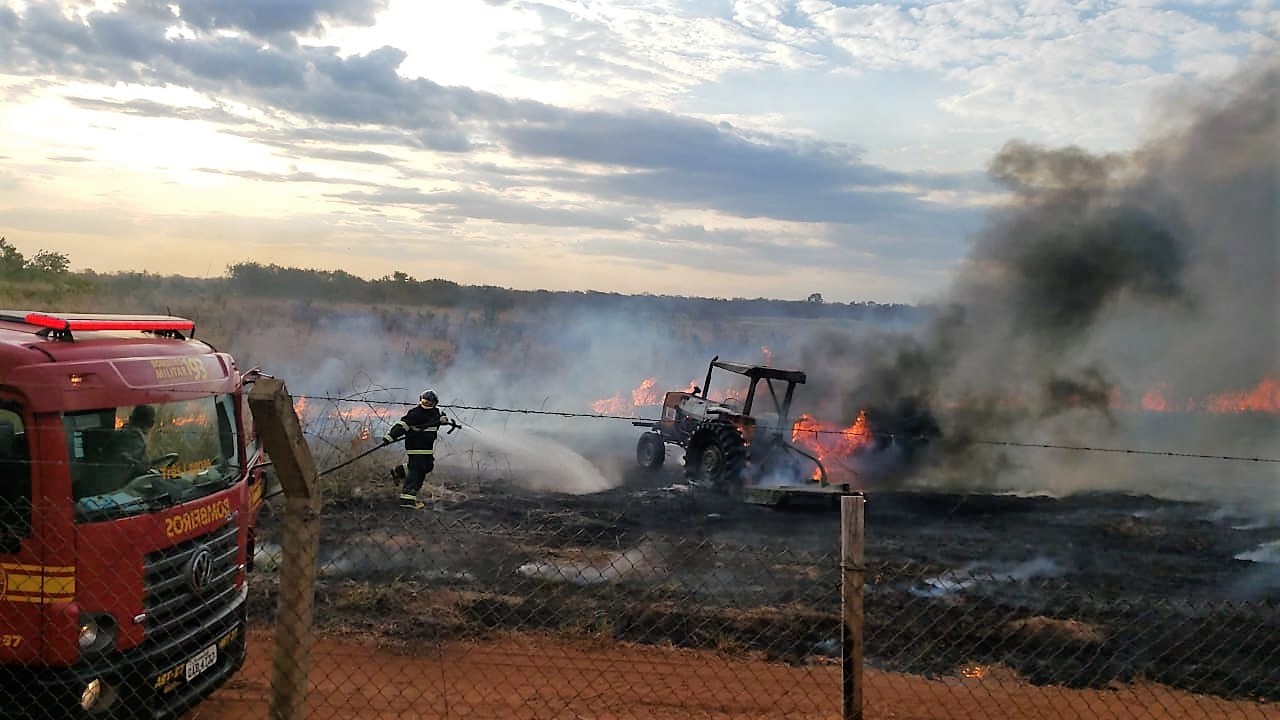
(726, 446)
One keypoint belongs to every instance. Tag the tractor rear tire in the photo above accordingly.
(717, 456)
(651, 451)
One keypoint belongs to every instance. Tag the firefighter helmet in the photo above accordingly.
(428, 398)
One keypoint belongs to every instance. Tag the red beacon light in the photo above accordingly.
(61, 326)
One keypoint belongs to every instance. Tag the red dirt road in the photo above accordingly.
(527, 676)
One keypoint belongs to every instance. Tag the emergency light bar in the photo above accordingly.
(65, 323)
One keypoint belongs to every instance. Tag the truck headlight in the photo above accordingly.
(92, 692)
(97, 632)
(98, 697)
(88, 633)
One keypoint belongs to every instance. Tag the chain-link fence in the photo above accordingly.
(542, 617)
(650, 599)
(658, 599)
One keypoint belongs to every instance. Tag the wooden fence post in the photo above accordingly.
(852, 571)
(282, 438)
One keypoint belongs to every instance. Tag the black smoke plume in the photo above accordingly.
(1103, 276)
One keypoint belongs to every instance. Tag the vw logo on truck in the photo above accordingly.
(200, 570)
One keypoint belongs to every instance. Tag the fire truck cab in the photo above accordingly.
(124, 544)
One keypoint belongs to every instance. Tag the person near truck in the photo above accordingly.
(127, 451)
(123, 458)
(419, 427)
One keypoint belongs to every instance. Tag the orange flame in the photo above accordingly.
(827, 441)
(611, 406)
(1265, 397)
(1154, 401)
(647, 393)
(1262, 398)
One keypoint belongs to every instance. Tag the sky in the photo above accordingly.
(723, 148)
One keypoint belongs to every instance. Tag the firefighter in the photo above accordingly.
(129, 445)
(419, 428)
(124, 457)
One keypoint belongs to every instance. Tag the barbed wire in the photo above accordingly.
(363, 399)
(860, 433)
(1126, 451)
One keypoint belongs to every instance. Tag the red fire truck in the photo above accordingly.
(123, 547)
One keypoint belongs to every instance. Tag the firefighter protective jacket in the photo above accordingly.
(419, 428)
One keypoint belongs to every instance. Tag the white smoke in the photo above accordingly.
(642, 562)
(537, 462)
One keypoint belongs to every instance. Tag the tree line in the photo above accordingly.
(253, 279)
(257, 279)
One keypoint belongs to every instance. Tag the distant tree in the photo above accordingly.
(12, 263)
(816, 298)
(53, 263)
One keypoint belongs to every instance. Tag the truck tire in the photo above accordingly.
(651, 451)
(717, 456)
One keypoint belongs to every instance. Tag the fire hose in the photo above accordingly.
(452, 426)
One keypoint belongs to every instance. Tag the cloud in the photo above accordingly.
(359, 157)
(1071, 71)
(292, 177)
(685, 161)
(267, 19)
(154, 109)
(457, 206)
(647, 155)
(628, 183)
(1055, 69)
(656, 51)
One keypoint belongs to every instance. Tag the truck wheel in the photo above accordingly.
(651, 451)
(718, 457)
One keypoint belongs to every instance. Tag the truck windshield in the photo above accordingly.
(138, 459)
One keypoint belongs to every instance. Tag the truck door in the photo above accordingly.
(20, 567)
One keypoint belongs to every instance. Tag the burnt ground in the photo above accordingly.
(1084, 591)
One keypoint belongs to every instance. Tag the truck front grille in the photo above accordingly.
(190, 582)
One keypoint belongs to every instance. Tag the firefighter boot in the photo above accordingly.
(411, 502)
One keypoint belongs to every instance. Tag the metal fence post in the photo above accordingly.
(282, 438)
(852, 570)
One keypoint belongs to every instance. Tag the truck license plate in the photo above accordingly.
(206, 659)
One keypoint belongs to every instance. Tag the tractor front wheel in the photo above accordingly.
(651, 451)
